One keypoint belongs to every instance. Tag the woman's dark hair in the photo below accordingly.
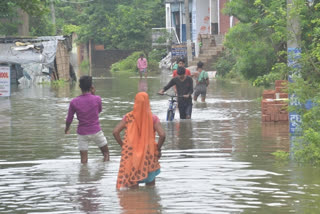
(85, 83)
(181, 70)
(200, 64)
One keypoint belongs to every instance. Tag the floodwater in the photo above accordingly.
(218, 162)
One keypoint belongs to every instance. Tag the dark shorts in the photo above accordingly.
(143, 71)
(200, 89)
(185, 109)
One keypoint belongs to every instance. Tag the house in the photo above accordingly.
(36, 60)
(206, 18)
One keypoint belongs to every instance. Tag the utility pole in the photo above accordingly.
(294, 53)
(293, 27)
(189, 47)
(53, 16)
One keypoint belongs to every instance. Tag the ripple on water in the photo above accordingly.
(218, 162)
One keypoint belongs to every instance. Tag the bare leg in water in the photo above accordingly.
(105, 153)
(84, 156)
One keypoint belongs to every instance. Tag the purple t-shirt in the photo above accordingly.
(87, 107)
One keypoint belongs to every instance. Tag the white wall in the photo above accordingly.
(203, 17)
(194, 21)
(214, 11)
(200, 20)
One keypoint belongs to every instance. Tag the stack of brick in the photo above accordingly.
(274, 103)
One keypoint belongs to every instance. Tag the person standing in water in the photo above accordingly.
(184, 87)
(202, 82)
(87, 107)
(140, 153)
(142, 65)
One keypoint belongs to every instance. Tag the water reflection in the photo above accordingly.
(88, 195)
(276, 133)
(66, 89)
(184, 134)
(143, 85)
(200, 105)
(5, 112)
(140, 201)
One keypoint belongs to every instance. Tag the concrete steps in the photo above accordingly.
(210, 49)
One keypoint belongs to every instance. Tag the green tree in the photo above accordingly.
(32, 7)
(41, 26)
(258, 41)
(258, 46)
(120, 24)
(8, 13)
(68, 17)
(306, 85)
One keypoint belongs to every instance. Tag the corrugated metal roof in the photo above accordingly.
(30, 39)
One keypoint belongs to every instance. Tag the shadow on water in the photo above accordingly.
(218, 162)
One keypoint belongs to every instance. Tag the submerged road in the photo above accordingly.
(218, 162)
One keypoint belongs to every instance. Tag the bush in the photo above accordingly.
(84, 66)
(224, 64)
(69, 29)
(307, 147)
(157, 54)
(279, 72)
(129, 64)
(153, 66)
(281, 155)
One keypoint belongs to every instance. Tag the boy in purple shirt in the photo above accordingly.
(87, 107)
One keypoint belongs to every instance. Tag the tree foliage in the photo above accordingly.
(118, 24)
(257, 49)
(9, 13)
(306, 85)
(258, 41)
(32, 7)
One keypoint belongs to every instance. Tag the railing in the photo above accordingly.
(164, 36)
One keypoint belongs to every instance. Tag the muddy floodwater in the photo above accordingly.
(218, 162)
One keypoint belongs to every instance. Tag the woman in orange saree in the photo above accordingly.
(140, 153)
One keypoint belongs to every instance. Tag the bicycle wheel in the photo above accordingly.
(170, 115)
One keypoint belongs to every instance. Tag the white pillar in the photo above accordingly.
(181, 14)
(189, 45)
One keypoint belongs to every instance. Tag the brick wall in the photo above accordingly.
(274, 103)
(224, 19)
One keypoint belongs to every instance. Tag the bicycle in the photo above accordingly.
(172, 106)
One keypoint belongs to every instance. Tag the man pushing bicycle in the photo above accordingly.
(184, 85)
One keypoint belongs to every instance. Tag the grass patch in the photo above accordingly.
(281, 155)
(58, 83)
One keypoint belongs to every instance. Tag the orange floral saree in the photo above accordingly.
(139, 155)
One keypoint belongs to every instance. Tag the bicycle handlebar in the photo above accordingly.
(169, 95)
